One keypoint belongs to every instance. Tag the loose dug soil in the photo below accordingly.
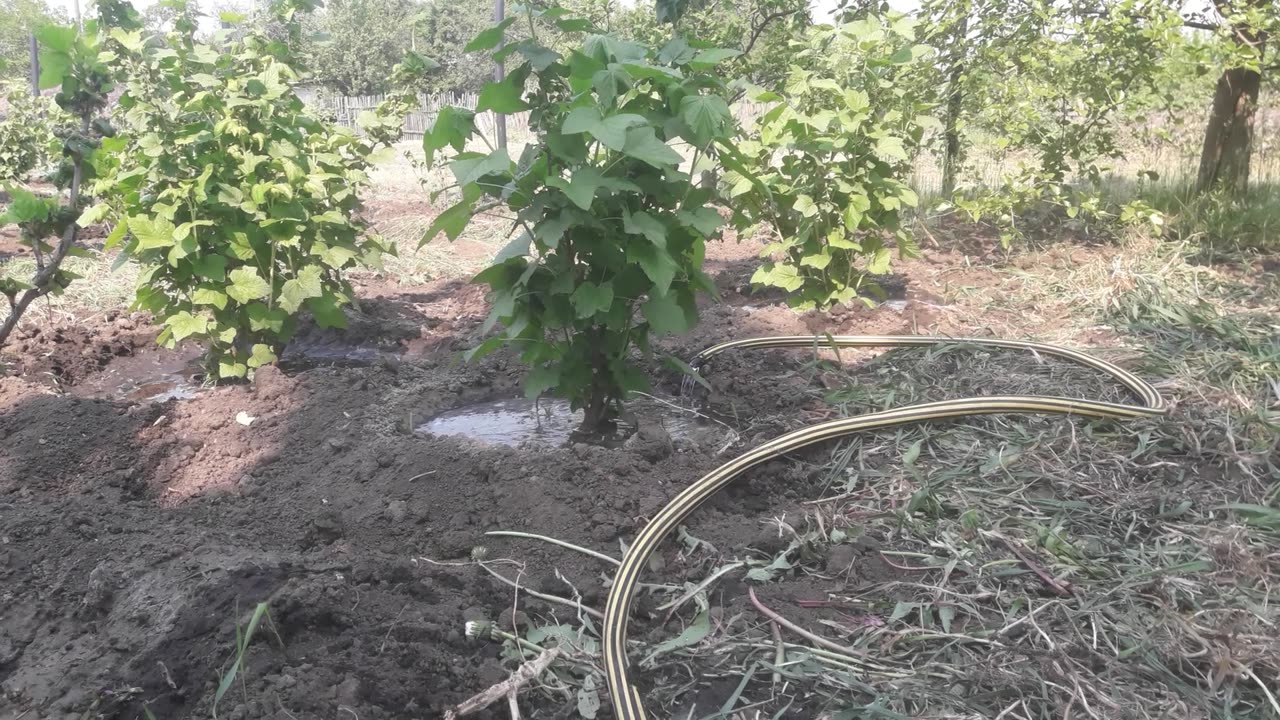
(136, 536)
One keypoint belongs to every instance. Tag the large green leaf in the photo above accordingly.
(474, 166)
(805, 205)
(26, 206)
(610, 131)
(779, 275)
(452, 127)
(666, 314)
(642, 144)
(708, 59)
(677, 51)
(656, 263)
(643, 70)
(581, 188)
(517, 247)
(590, 298)
(611, 82)
(489, 38)
(93, 215)
(261, 355)
(209, 295)
(263, 318)
(53, 68)
(501, 96)
(56, 37)
(247, 285)
(580, 120)
(540, 57)
(879, 262)
(642, 223)
(551, 229)
(210, 267)
(705, 115)
(297, 290)
(327, 311)
(183, 325)
(152, 233)
(891, 148)
(572, 25)
(451, 222)
(705, 220)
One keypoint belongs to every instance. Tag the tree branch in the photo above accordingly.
(41, 283)
(755, 34)
(1198, 25)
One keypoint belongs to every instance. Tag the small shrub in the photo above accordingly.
(610, 231)
(828, 161)
(240, 205)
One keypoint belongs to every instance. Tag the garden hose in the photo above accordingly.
(627, 704)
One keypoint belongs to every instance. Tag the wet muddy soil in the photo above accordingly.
(142, 517)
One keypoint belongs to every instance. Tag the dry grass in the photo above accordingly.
(1048, 567)
(99, 288)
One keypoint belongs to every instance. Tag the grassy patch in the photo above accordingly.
(99, 286)
(1219, 223)
(1120, 569)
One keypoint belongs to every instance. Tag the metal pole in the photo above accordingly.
(499, 72)
(35, 65)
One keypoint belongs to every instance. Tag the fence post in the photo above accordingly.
(499, 120)
(35, 65)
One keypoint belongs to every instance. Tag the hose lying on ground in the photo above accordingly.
(625, 698)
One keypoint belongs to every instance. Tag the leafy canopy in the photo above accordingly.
(354, 45)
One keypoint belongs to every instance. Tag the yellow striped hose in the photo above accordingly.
(627, 704)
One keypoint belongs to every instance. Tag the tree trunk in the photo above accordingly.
(602, 393)
(1228, 137)
(596, 418)
(955, 104)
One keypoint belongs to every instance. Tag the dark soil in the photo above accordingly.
(136, 536)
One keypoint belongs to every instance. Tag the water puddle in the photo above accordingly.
(154, 375)
(515, 421)
(309, 352)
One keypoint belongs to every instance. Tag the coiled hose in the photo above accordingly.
(627, 704)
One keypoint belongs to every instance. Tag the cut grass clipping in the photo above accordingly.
(1031, 567)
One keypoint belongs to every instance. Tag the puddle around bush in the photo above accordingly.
(515, 421)
(153, 375)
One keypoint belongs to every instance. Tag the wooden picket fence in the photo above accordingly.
(344, 109)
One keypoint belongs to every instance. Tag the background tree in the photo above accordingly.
(761, 29)
(1246, 28)
(50, 225)
(360, 42)
(441, 29)
(18, 19)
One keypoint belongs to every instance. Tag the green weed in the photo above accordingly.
(244, 636)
